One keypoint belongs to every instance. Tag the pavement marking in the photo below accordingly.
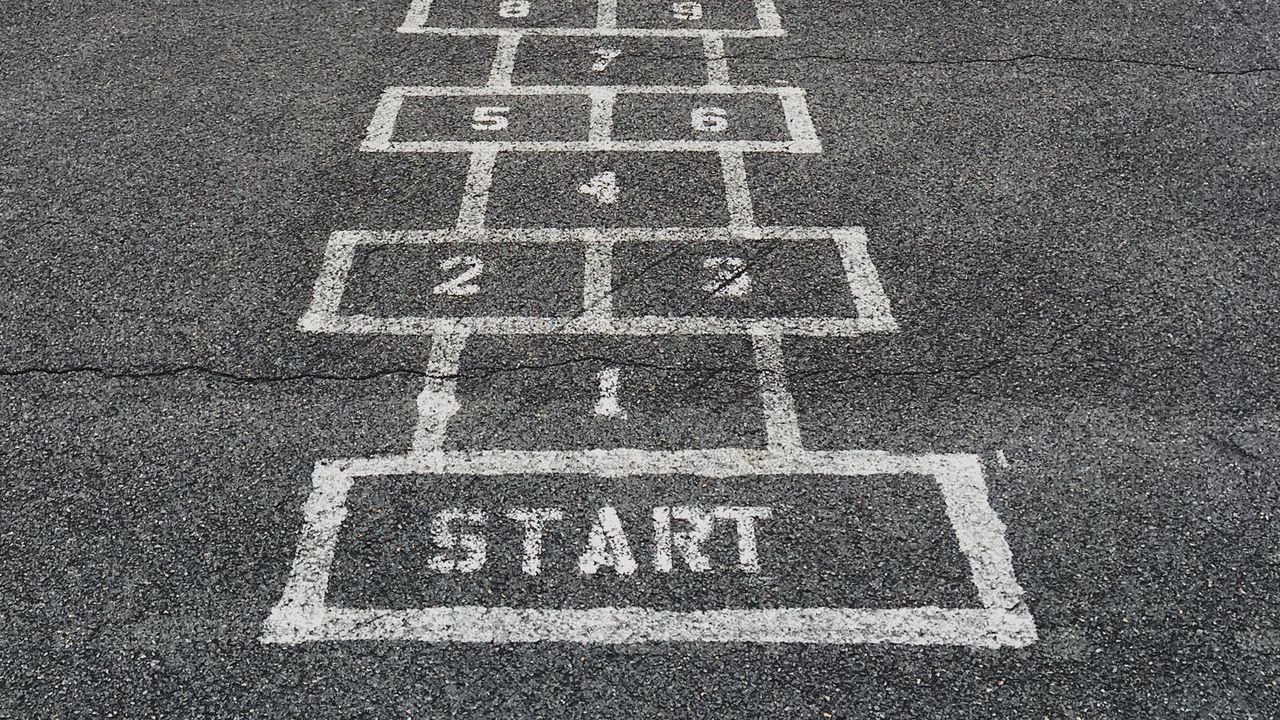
(610, 384)
(504, 60)
(737, 192)
(782, 426)
(475, 195)
(303, 615)
(717, 65)
(437, 402)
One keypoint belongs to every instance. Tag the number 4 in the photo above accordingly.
(490, 118)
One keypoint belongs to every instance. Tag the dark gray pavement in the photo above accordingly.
(1073, 207)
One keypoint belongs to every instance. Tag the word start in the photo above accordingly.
(679, 534)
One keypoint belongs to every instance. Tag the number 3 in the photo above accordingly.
(731, 277)
(460, 286)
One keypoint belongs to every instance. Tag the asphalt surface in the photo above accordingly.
(1073, 208)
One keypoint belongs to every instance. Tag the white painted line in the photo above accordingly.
(597, 285)
(737, 194)
(1004, 621)
(583, 234)
(607, 15)
(795, 107)
(864, 281)
(469, 90)
(717, 65)
(416, 19)
(302, 606)
(591, 32)
(602, 102)
(595, 324)
(562, 146)
(782, 426)
(438, 403)
(504, 60)
(326, 296)
(383, 123)
(979, 531)
(767, 14)
(475, 195)
(632, 625)
(608, 404)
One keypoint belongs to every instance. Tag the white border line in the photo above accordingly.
(592, 324)
(767, 13)
(437, 403)
(607, 15)
(418, 29)
(597, 283)
(587, 90)
(1003, 621)
(717, 65)
(737, 193)
(475, 194)
(504, 60)
(782, 426)
(863, 280)
(601, 127)
(416, 18)
(795, 147)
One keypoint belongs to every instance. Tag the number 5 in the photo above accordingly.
(490, 118)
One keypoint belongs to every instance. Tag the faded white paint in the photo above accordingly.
(608, 404)
(534, 523)
(504, 60)
(607, 546)
(603, 187)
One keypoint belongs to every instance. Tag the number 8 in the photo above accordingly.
(514, 8)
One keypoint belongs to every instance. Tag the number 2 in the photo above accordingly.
(460, 286)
